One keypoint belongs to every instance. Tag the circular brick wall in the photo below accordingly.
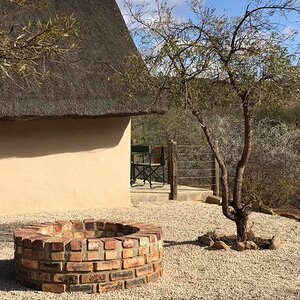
(87, 256)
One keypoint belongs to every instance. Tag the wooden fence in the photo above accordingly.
(192, 165)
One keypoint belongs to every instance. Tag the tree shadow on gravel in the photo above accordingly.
(168, 244)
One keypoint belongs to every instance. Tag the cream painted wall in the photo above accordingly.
(61, 165)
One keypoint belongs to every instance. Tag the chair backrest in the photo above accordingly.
(140, 149)
(140, 153)
(158, 155)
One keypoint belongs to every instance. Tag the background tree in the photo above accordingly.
(27, 49)
(247, 57)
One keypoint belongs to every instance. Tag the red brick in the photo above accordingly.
(87, 288)
(108, 265)
(121, 275)
(29, 264)
(53, 288)
(77, 225)
(39, 242)
(143, 250)
(58, 244)
(77, 244)
(92, 255)
(67, 234)
(41, 276)
(109, 244)
(45, 266)
(128, 243)
(109, 226)
(66, 278)
(153, 248)
(90, 234)
(27, 241)
(75, 256)
(38, 254)
(93, 244)
(152, 237)
(127, 253)
(100, 225)
(157, 266)
(110, 254)
(38, 228)
(79, 266)
(143, 240)
(58, 256)
(133, 262)
(65, 225)
(144, 270)
(110, 234)
(79, 235)
(27, 253)
(56, 228)
(94, 278)
(153, 277)
(152, 257)
(135, 282)
(110, 286)
(89, 224)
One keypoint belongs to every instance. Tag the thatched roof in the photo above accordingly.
(84, 90)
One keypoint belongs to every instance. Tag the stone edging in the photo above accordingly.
(87, 256)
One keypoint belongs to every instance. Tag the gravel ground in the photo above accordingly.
(191, 272)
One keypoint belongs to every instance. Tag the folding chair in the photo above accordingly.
(147, 163)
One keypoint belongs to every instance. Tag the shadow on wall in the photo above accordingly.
(46, 137)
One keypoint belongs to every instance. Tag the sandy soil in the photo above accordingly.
(191, 272)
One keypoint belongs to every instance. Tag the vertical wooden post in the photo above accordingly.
(173, 169)
(215, 173)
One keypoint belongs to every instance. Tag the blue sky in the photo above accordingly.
(231, 8)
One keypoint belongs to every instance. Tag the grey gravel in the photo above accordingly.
(191, 271)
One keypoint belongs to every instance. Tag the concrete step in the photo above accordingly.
(140, 192)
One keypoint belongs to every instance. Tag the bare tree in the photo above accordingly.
(27, 48)
(248, 56)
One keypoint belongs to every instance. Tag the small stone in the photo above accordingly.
(205, 240)
(239, 246)
(214, 200)
(250, 245)
(275, 243)
(220, 245)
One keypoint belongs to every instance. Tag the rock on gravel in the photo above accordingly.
(191, 271)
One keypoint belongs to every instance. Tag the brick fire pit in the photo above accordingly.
(87, 256)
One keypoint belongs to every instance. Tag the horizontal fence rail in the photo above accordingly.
(192, 165)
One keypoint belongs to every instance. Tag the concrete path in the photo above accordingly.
(140, 192)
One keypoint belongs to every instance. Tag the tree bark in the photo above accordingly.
(241, 166)
(241, 226)
(224, 173)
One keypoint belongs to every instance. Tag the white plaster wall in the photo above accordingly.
(62, 165)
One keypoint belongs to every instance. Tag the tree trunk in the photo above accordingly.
(241, 166)
(241, 227)
(224, 177)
